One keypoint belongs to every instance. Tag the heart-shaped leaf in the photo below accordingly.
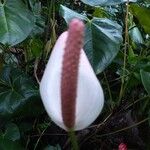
(69, 14)
(16, 22)
(19, 96)
(102, 42)
(102, 39)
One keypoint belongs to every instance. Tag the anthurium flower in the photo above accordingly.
(70, 91)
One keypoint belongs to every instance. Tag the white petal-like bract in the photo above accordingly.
(90, 98)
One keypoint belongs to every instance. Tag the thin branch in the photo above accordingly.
(109, 91)
(103, 123)
(35, 70)
(48, 134)
(136, 101)
(126, 128)
(125, 52)
(97, 128)
(41, 136)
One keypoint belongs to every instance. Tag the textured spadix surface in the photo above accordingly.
(70, 91)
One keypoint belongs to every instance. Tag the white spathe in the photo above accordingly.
(90, 98)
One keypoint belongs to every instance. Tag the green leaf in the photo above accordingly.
(145, 76)
(36, 47)
(100, 12)
(40, 19)
(105, 2)
(19, 96)
(16, 22)
(136, 35)
(102, 39)
(12, 132)
(49, 147)
(102, 42)
(142, 14)
(6, 144)
(69, 14)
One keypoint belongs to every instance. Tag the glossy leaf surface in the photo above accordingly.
(102, 39)
(143, 15)
(18, 94)
(104, 2)
(16, 22)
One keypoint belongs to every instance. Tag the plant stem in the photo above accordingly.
(41, 136)
(35, 70)
(73, 139)
(109, 91)
(125, 52)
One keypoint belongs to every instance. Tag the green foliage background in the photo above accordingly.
(117, 43)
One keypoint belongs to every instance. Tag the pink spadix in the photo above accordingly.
(70, 91)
